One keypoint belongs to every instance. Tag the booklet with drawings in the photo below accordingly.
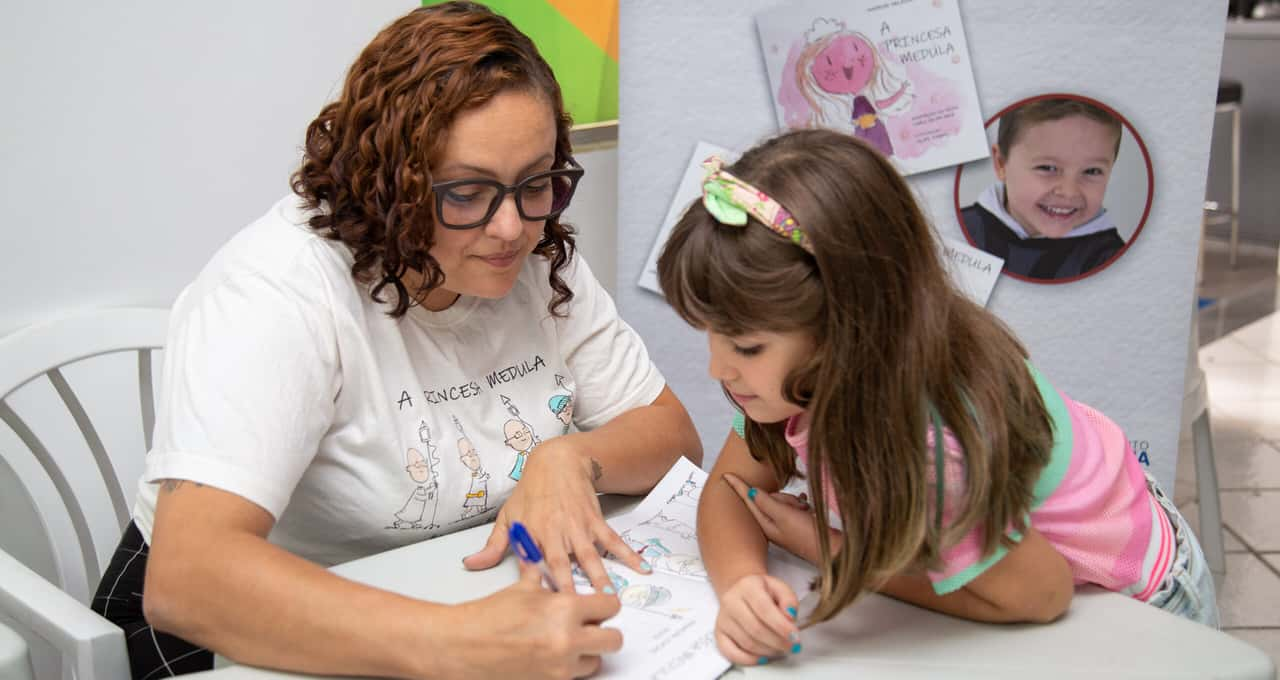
(895, 73)
(668, 617)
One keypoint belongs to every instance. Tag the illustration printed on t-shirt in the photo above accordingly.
(561, 404)
(477, 500)
(492, 412)
(419, 511)
(519, 435)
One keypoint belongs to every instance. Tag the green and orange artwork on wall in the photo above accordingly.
(579, 38)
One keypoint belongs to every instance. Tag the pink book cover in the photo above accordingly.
(895, 73)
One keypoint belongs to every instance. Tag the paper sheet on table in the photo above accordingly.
(668, 617)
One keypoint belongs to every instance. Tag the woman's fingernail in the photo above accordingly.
(792, 612)
(607, 590)
(762, 661)
(751, 493)
(644, 564)
(795, 649)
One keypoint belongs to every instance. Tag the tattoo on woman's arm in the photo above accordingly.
(596, 471)
(171, 485)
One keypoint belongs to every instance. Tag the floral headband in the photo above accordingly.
(730, 200)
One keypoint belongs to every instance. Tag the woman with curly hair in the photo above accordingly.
(416, 289)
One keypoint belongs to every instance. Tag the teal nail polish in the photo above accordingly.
(792, 612)
(607, 590)
(645, 564)
(751, 493)
(795, 649)
(762, 661)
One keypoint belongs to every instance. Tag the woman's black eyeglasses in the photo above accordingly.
(470, 203)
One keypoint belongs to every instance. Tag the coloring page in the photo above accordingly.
(668, 617)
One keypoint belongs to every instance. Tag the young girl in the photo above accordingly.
(942, 468)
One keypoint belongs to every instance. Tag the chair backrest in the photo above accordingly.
(51, 474)
(15, 659)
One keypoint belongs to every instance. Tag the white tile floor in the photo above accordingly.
(1243, 373)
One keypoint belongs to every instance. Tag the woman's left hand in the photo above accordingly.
(785, 519)
(556, 500)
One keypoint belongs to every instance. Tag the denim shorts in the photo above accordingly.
(1187, 590)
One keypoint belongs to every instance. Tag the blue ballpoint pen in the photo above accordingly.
(528, 551)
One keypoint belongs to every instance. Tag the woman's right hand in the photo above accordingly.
(757, 620)
(528, 631)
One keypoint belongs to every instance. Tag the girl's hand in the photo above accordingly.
(757, 620)
(785, 519)
(557, 502)
(528, 631)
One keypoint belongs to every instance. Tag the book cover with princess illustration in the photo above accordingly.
(895, 73)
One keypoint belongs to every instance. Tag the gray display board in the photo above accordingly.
(1116, 340)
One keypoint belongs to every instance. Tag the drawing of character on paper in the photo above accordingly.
(519, 436)
(650, 549)
(581, 579)
(425, 496)
(675, 526)
(895, 74)
(688, 494)
(477, 500)
(645, 596)
(668, 545)
(846, 83)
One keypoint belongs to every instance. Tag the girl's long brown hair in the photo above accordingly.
(366, 167)
(893, 338)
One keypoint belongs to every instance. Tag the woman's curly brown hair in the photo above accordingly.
(366, 168)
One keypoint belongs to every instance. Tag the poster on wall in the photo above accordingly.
(580, 42)
(1066, 192)
(687, 191)
(896, 74)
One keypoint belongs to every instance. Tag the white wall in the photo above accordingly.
(138, 136)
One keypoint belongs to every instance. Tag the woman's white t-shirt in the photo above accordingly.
(286, 384)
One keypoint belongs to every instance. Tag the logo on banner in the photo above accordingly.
(1140, 449)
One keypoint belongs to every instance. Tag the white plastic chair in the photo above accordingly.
(15, 661)
(58, 612)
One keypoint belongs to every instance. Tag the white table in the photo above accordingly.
(1103, 636)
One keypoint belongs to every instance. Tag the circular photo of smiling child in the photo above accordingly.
(1065, 192)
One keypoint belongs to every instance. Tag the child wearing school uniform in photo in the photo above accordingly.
(942, 467)
(1044, 215)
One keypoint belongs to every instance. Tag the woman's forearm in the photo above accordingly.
(213, 579)
(255, 603)
(630, 453)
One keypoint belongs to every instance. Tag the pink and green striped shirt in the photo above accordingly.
(1091, 502)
